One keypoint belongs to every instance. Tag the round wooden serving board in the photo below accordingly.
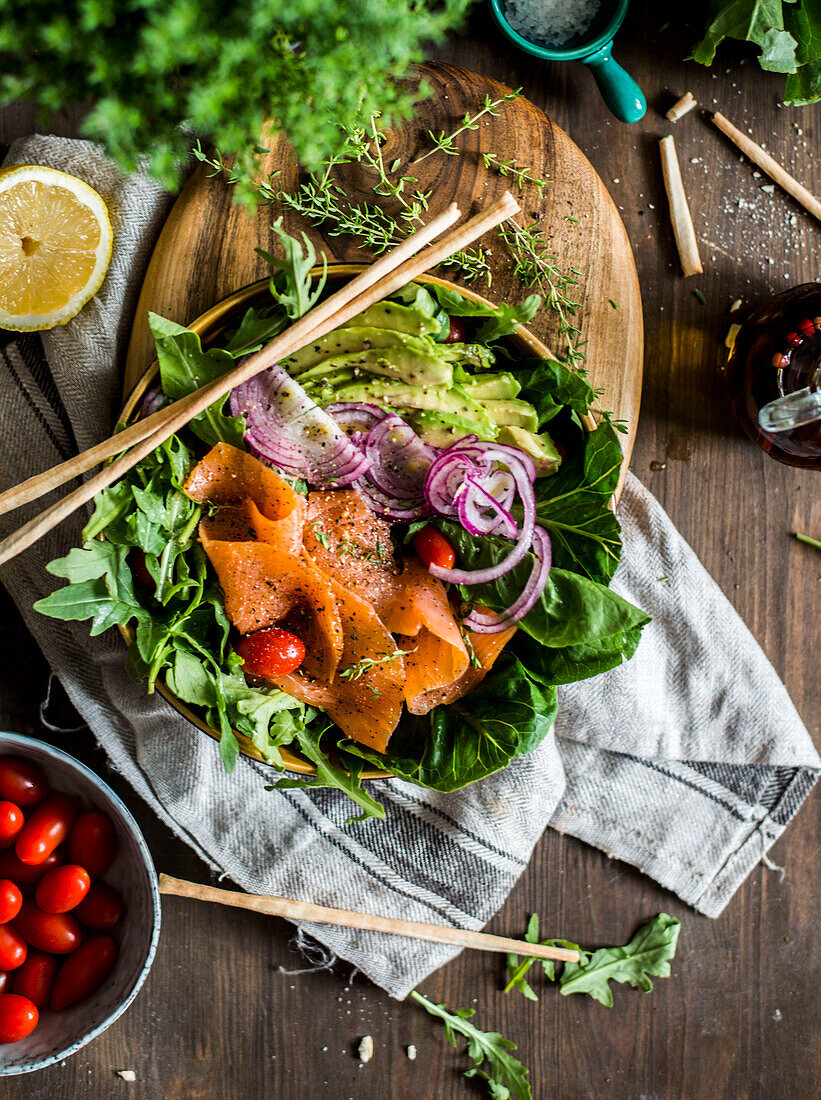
(206, 248)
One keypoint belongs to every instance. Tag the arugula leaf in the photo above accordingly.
(499, 320)
(185, 367)
(291, 283)
(257, 327)
(506, 1076)
(329, 774)
(648, 952)
(106, 600)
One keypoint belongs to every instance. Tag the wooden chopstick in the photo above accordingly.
(176, 416)
(346, 918)
(299, 332)
(769, 165)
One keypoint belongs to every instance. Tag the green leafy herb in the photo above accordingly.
(787, 33)
(292, 285)
(154, 72)
(505, 1075)
(446, 143)
(648, 953)
(357, 671)
(520, 173)
(320, 535)
(345, 776)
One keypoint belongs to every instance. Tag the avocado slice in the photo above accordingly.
(511, 411)
(440, 429)
(403, 364)
(491, 386)
(397, 317)
(541, 447)
(438, 399)
(355, 339)
(474, 355)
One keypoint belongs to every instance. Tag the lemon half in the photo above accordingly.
(55, 246)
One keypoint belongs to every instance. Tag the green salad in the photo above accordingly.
(442, 434)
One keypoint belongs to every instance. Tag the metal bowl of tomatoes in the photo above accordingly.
(79, 905)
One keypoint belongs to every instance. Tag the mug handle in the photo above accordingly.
(619, 90)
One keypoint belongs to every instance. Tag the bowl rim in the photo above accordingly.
(212, 322)
(23, 742)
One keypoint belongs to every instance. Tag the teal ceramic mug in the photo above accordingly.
(620, 91)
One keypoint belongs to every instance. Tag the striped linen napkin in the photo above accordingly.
(688, 762)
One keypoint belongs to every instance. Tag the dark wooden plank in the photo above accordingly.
(738, 1018)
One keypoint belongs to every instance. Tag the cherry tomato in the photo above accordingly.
(13, 948)
(35, 978)
(272, 652)
(92, 842)
(11, 822)
(24, 874)
(48, 826)
(21, 782)
(57, 933)
(63, 888)
(458, 332)
(11, 898)
(433, 548)
(83, 972)
(101, 908)
(18, 1017)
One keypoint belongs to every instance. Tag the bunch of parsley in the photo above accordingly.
(154, 72)
(788, 33)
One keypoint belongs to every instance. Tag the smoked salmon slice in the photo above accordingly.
(365, 700)
(263, 586)
(487, 648)
(254, 502)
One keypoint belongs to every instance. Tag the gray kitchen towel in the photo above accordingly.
(689, 761)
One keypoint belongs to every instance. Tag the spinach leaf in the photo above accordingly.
(572, 663)
(572, 611)
(506, 716)
(550, 386)
(185, 367)
(573, 506)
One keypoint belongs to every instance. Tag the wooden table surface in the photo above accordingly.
(229, 1011)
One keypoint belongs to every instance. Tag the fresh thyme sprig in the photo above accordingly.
(445, 143)
(510, 169)
(357, 671)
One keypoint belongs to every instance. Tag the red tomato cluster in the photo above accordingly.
(55, 918)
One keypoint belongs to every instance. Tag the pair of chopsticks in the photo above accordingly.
(346, 918)
(393, 270)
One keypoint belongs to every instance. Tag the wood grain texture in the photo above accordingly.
(206, 249)
(737, 1020)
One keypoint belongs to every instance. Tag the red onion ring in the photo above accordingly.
(482, 622)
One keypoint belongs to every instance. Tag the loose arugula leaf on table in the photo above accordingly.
(803, 20)
(184, 367)
(758, 21)
(517, 969)
(506, 1077)
(648, 953)
(506, 716)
